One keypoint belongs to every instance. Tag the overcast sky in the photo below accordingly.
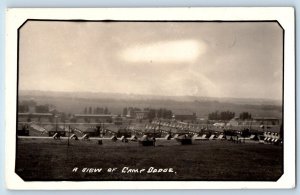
(242, 60)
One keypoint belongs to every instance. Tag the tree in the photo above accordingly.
(42, 109)
(125, 111)
(159, 113)
(29, 102)
(101, 110)
(227, 115)
(73, 120)
(90, 110)
(224, 115)
(167, 114)
(105, 110)
(152, 114)
(213, 116)
(63, 117)
(23, 108)
(98, 110)
(245, 116)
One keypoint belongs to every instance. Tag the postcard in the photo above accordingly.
(150, 98)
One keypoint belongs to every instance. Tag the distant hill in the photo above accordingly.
(75, 102)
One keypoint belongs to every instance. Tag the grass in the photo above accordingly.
(43, 160)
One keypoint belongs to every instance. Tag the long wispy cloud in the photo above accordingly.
(177, 51)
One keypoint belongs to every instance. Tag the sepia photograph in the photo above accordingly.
(150, 100)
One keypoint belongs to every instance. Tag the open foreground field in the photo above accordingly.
(40, 160)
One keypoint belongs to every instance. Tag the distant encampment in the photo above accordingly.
(75, 102)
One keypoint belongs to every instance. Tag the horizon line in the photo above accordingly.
(157, 95)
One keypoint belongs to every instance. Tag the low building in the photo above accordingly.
(124, 132)
(92, 132)
(153, 133)
(118, 120)
(185, 117)
(267, 120)
(35, 117)
(256, 121)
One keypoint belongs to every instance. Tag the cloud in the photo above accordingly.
(164, 52)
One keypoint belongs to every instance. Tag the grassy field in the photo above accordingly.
(40, 160)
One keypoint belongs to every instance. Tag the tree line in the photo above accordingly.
(224, 115)
(96, 110)
(151, 112)
(160, 113)
(24, 107)
(228, 115)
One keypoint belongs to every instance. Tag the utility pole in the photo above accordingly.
(56, 123)
(159, 126)
(207, 125)
(69, 137)
(100, 130)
